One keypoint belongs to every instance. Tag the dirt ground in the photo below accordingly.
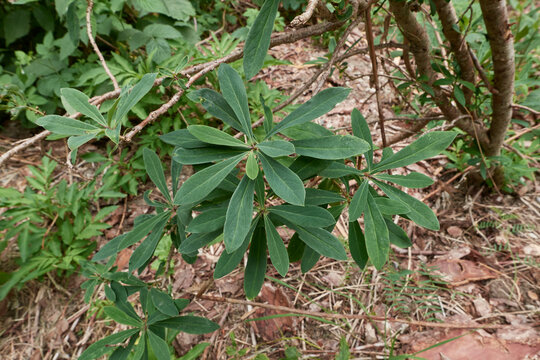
(480, 270)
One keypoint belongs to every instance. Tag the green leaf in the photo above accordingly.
(256, 264)
(100, 347)
(130, 98)
(306, 167)
(258, 39)
(183, 139)
(189, 324)
(307, 216)
(322, 242)
(74, 142)
(78, 101)
(309, 259)
(358, 202)
(317, 106)
(121, 317)
(177, 9)
(321, 197)
(195, 352)
(420, 213)
(204, 155)
(334, 147)
(376, 234)
(276, 248)
(196, 241)
(344, 353)
(286, 184)
(391, 207)
(232, 88)
(214, 136)
(159, 346)
(427, 146)
(460, 97)
(338, 169)
(162, 31)
(360, 129)
(163, 302)
(398, 236)
(228, 262)
(276, 148)
(239, 214)
(357, 244)
(413, 180)
(146, 249)
(268, 122)
(217, 106)
(295, 249)
(252, 166)
(154, 170)
(209, 220)
(141, 351)
(61, 125)
(199, 185)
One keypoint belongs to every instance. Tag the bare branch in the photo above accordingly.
(306, 15)
(94, 45)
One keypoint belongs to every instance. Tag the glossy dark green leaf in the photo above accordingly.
(376, 234)
(233, 90)
(163, 302)
(78, 101)
(130, 98)
(309, 259)
(306, 167)
(307, 216)
(154, 169)
(62, 125)
(228, 262)
(426, 146)
(295, 249)
(357, 244)
(359, 200)
(286, 184)
(239, 214)
(252, 166)
(214, 136)
(420, 213)
(360, 129)
(338, 169)
(268, 122)
(334, 147)
(207, 221)
(388, 206)
(182, 138)
(199, 185)
(189, 324)
(158, 346)
(121, 317)
(276, 248)
(258, 40)
(322, 197)
(217, 106)
(307, 130)
(256, 264)
(322, 242)
(196, 241)
(413, 180)
(101, 347)
(398, 236)
(317, 106)
(276, 148)
(146, 249)
(204, 155)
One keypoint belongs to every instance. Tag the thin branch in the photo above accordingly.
(306, 15)
(94, 45)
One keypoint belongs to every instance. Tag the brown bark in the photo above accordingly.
(501, 42)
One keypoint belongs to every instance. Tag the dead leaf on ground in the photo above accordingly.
(333, 278)
(457, 272)
(272, 328)
(454, 231)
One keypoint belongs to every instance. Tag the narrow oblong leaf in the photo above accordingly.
(360, 129)
(268, 122)
(321, 197)
(317, 106)
(233, 90)
(217, 106)
(62, 125)
(276, 248)
(199, 185)
(376, 234)
(204, 155)
(239, 214)
(214, 136)
(338, 169)
(388, 206)
(357, 244)
(146, 249)
(207, 221)
(308, 216)
(189, 324)
(334, 147)
(163, 302)
(321, 241)
(256, 264)
(286, 184)
(426, 146)
(252, 166)
(154, 169)
(121, 317)
(398, 236)
(420, 213)
(131, 97)
(182, 138)
(101, 347)
(309, 259)
(358, 202)
(159, 346)
(78, 101)
(258, 40)
(414, 180)
(196, 241)
(74, 142)
(276, 148)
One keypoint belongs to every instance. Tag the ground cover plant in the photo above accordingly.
(234, 164)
